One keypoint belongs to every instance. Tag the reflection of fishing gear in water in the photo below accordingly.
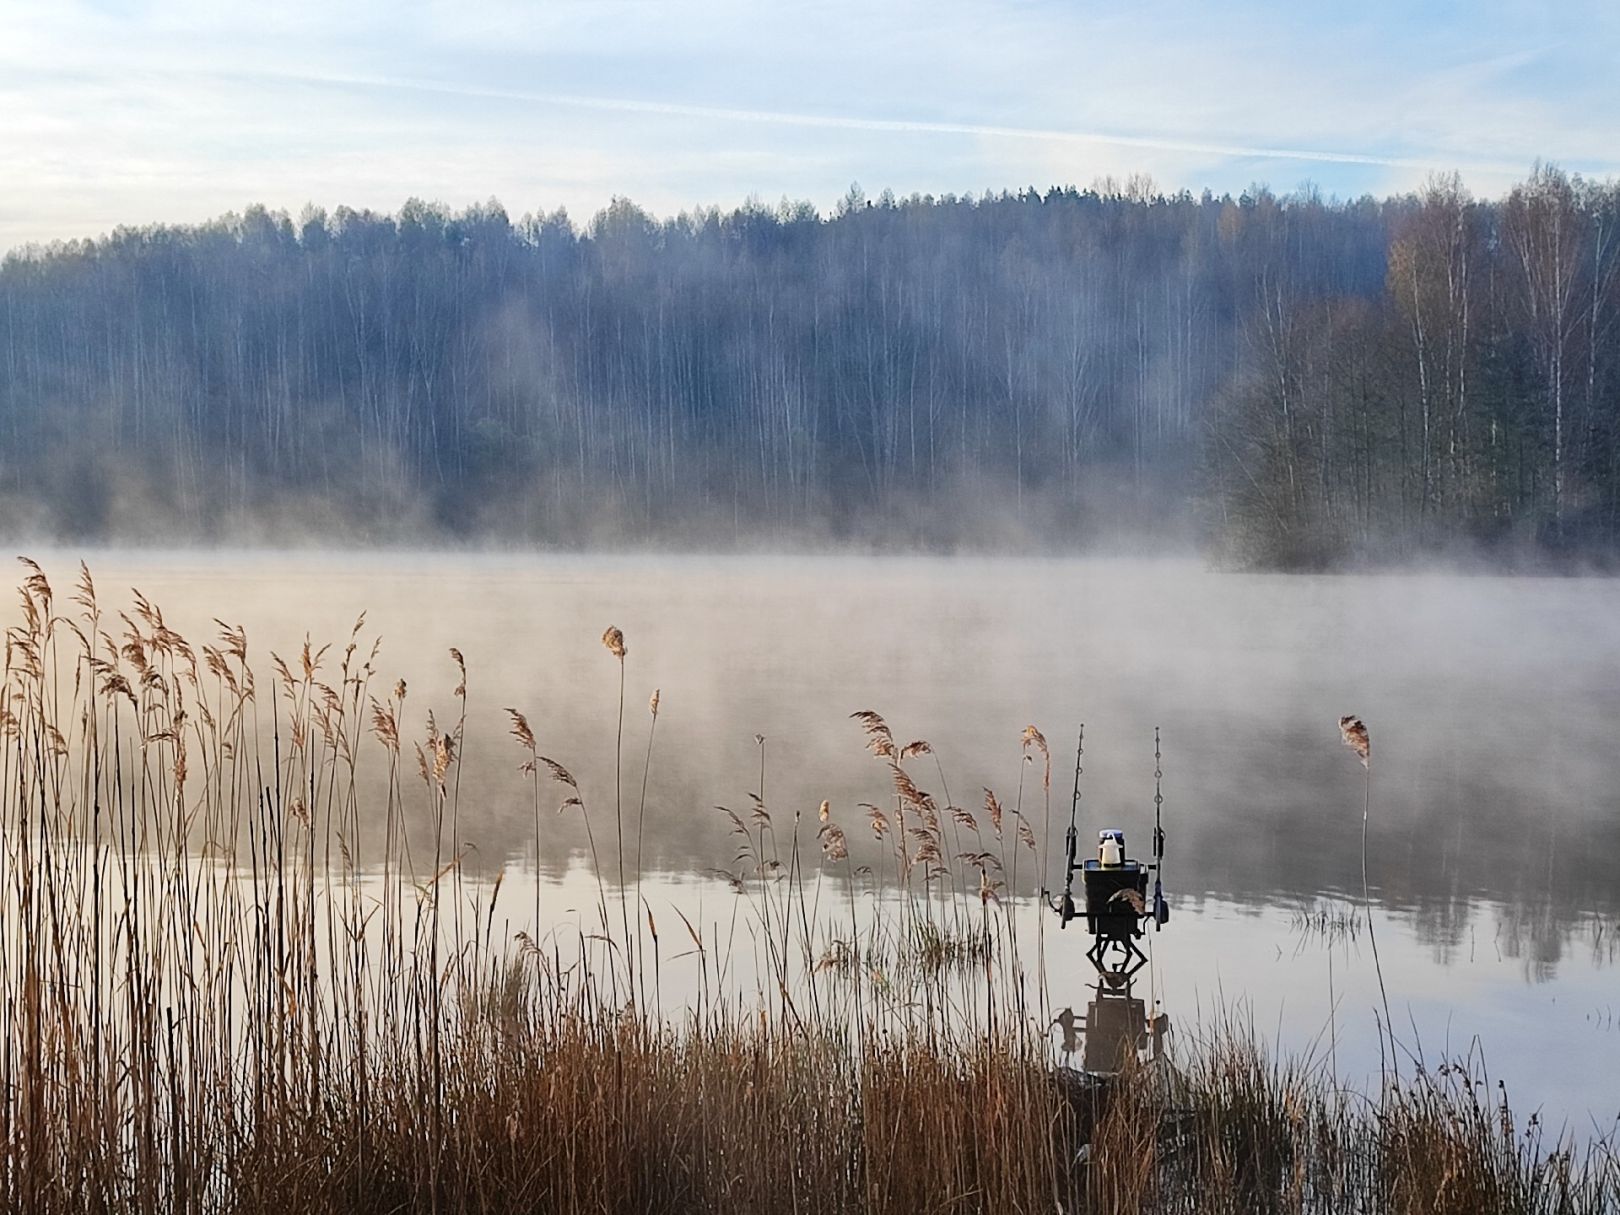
(1114, 886)
(1122, 1050)
(1117, 1029)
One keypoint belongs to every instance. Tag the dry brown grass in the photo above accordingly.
(227, 985)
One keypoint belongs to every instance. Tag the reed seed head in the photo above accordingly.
(833, 844)
(1354, 732)
(1034, 738)
(520, 729)
(559, 773)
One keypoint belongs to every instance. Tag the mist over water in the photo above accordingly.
(1494, 836)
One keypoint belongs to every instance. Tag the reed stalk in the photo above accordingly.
(219, 994)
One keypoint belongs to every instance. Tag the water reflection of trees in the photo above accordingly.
(1540, 933)
(1455, 861)
(1484, 836)
(1466, 849)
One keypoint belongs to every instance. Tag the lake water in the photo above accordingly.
(1494, 836)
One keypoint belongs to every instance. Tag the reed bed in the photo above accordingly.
(1327, 922)
(236, 979)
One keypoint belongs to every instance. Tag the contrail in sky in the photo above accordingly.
(894, 125)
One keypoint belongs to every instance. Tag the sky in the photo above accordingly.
(145, 111)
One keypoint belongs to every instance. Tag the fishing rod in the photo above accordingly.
(1065, 907)
(1161, 909)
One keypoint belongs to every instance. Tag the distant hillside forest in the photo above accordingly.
(1294, 382)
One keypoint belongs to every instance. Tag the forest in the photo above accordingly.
(1285, 381)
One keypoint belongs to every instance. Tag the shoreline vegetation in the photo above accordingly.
(1285, 381)
(228, 983)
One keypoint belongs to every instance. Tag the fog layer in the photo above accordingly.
(1490, 702)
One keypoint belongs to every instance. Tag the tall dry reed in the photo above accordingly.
(234, 979)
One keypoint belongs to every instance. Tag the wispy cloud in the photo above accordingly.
(911, 126)
(180, 109)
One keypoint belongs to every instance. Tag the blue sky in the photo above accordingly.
(135, 111)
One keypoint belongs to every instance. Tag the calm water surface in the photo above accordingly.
(1494, 838)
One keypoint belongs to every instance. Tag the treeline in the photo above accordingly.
(1475, 396)
(1296, 380)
